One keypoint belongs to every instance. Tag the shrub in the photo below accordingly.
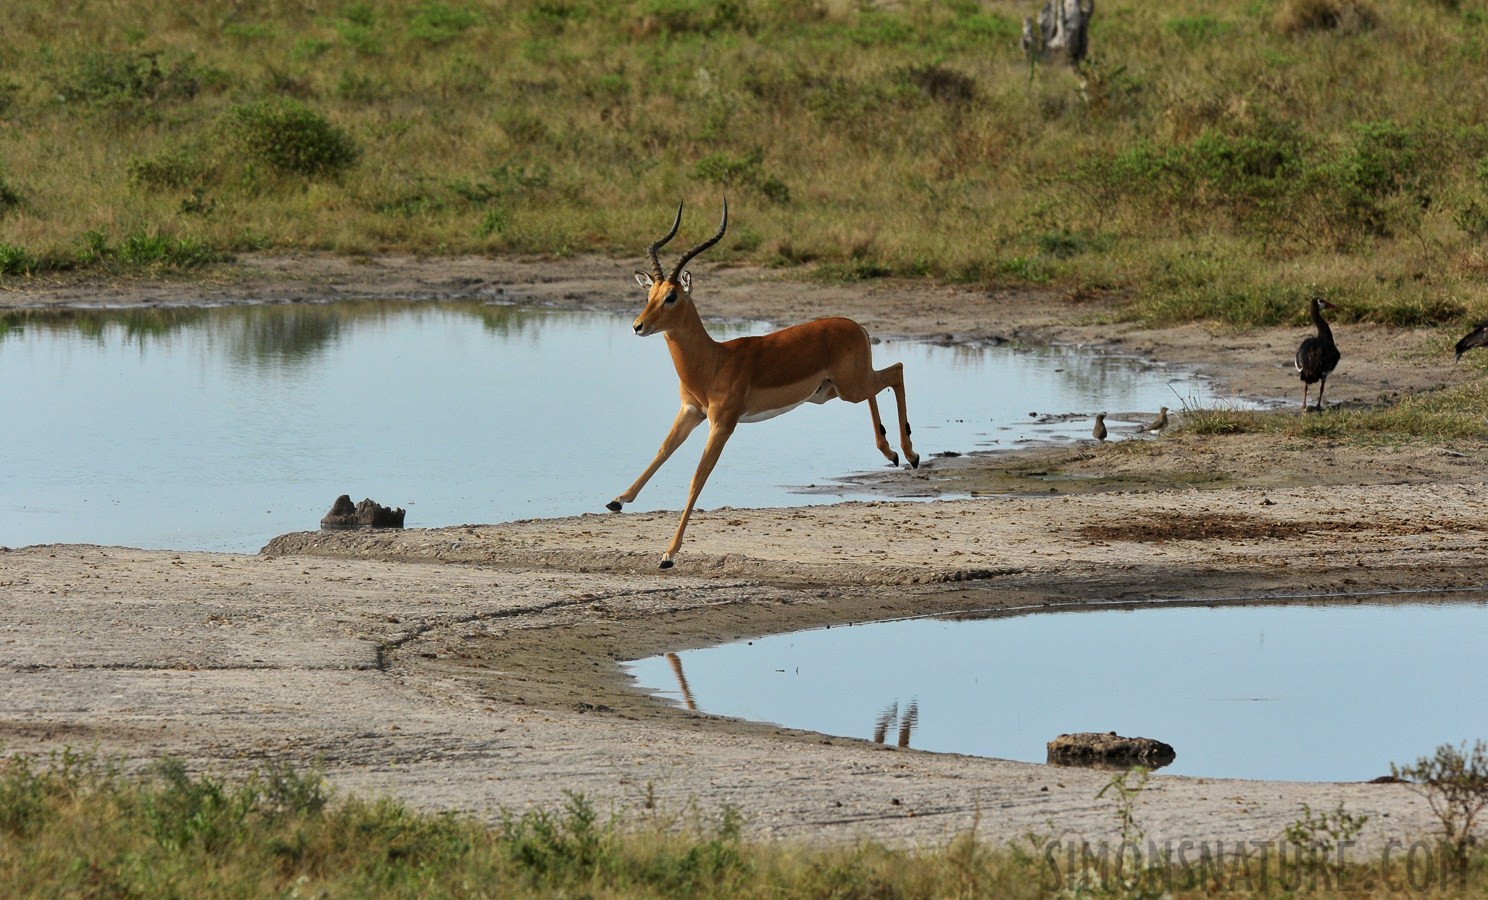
(10, 197)
(439, 24)
(1272, 180)
(697, 16)
(942, 84)
(741, 171)
(1472, 217)
(496, 220)
(290, 137)
(149, 250)
(1197, 29)
(170, 169)
(16, 261)
(1455, 784)
(115, 78)
(1345, 16)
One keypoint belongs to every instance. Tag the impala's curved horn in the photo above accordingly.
(687, 257)
(656, 272)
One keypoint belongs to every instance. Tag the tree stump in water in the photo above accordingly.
(1061, 35)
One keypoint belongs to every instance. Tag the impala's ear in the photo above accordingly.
(687, 283)
(643, 280)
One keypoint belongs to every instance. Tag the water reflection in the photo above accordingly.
(1294, 691)
(890, 715)
(676, 662)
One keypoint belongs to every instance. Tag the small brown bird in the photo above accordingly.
(1317, 357)
(1160, 423)
(1478, 338)
(1099, 431)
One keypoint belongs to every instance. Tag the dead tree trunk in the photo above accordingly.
(1061, 32)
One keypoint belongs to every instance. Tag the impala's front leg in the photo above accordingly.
(719, 430)
(687, 419)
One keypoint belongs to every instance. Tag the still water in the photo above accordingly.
(217, 429)
(1318, 692)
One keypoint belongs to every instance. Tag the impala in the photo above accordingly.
(751, 379)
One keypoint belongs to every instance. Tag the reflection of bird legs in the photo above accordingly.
(890, 715)
(907, 724)
(681, 680)
(884, 720)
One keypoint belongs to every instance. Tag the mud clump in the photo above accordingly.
(1108, 751)
(366, 514)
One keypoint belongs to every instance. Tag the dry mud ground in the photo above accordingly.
(475, 667)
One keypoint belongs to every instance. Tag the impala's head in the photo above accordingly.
(668, 297)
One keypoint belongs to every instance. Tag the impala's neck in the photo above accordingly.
(694, 352)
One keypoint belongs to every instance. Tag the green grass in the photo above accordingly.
(1452, 413)
(1211, 161)
(79, 827)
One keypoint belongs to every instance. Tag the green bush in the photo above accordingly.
(290, 137)
(439, 24)
(727, 170)
(10, 196)
(1271, 180)
(170, 169)
(155, 250)
(16, 261)
(125, 77)
(697, 16)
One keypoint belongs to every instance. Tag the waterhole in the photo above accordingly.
(218, 428)
(1306, 692)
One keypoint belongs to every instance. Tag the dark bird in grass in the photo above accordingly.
(1160, 422)
(1099, 431)
(1318, 356)
(1478, 338)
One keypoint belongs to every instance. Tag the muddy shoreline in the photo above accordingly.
(478, 667)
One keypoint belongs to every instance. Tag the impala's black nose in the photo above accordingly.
(638, 327)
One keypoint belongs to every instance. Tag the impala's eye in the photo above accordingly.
(670, 298)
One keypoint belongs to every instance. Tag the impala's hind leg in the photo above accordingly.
(864, 383)
(898, 385)
(880, 437)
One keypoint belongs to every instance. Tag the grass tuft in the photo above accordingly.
(290, 137)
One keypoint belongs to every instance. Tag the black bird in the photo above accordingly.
(1478, 338)
(1099, 431)
(1318, 356)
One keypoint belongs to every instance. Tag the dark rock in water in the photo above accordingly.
(342, 514)
(367, 514)
(370, 512)
(1108, 751)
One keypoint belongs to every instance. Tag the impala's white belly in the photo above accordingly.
(824, 392)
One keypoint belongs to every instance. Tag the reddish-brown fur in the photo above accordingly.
(725, 382)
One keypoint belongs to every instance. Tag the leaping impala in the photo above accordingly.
(751, 379)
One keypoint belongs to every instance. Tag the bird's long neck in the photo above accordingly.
(1324, 332)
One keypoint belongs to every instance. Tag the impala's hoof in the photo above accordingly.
(894, 460)
(666, 563)
(914, 460)
(614, 505)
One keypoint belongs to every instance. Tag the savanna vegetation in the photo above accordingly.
(1210, 160)
(77, 826)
